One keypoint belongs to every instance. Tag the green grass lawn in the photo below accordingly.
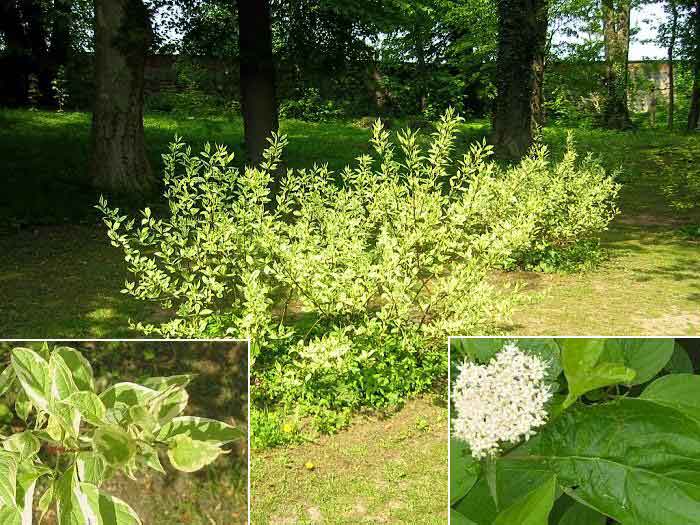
(384, 469)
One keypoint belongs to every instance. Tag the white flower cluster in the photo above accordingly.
(501, 402)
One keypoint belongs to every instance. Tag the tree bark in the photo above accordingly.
(60, 33)
(694, 112)
(123, 35)
(671, 49)
(257, 69)
(16, 63)
(421, 69)
(538, 66)
(616, 37)
(34, 14)
(521, 40)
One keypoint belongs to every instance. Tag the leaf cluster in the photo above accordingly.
(621, 443)
(350, 283)
(72, 439)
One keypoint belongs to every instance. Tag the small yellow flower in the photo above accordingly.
(287, 428)
(309, 465)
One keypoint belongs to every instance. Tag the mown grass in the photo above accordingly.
(384, 469)
(216, 495)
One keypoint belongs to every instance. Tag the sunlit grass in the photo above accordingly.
(383, 470)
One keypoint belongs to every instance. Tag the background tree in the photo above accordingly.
(257, 74)
(616, 38)
(693, 46)
(522, 33)
(672, 32)
(22, 23)
(123, 34)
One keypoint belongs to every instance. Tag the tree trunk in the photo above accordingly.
(538, 65)
(521, 39)
(694, 113)
(123, 35)
(616, 36)
(60, 33)
(16, 63)
(671, 49)
(258, 100)
(36, 34)
(421, 69)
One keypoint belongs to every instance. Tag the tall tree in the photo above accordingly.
(522, 33)
(123, 35)
(538, 67)
(16, 54)
(694, 41)
(616, 38)
(257, 70)
(60, 33)
(23, 25)
(670, 53)
(672, 34)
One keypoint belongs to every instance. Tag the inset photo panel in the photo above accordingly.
(124, 432)
(574, 431)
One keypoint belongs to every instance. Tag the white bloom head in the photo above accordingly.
(500, 402)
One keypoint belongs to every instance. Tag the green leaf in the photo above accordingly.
(45, 501)
(90, 406)
(25, 444)
(679, 391)
(161, 384)
(129, 394)
(108, 509)
(23, 406)
(514, 478)
(10, 516)
(32, 371)
(587, 366)
(579, 514)
(8, 479)
(533, 508)
(62, 384)
(634, 460)
(647, 357)
(478, 505)
(91, 468)
(7, 378)
(457, 518)
(173, 398)
(680, 362)
(79, 366)
(27, 475)
(71, 503)
(152, 460)
(476, 349)
(115, 445)
(199, 429)
(64, 417)
(464, 470)
(189, 455)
